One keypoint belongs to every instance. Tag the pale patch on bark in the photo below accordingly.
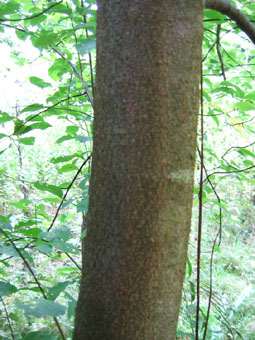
(182, 175)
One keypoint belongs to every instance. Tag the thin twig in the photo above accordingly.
(35, 278)
(7, 317)
(229, 172)
(218, 235)
(90, 58)
(67, 190)
(219, 52)
(237, 147)
(77, 74)
(55, 108)
(199, 237)
(35, 15)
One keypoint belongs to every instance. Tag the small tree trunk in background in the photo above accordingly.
(146, 106)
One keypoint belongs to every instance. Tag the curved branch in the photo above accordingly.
(227, 8)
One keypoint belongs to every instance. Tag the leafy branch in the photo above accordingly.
(35, 15)
(54, 106)
(77, 74)
(67, 190)
(35, 278)
(7, 317)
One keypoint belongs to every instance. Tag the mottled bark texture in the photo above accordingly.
(146, 107)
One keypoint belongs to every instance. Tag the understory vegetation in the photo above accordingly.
(46, 129)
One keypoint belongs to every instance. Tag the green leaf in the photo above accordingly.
(27, 140)
(34, 118)
(58, 238)
(86, 46)
(3, 272)
(7, 289)
(64, 246)
(83, 234)
(32, 232)
(63, 233)
(5, 226)
(213, 15)
(64, 138)
(84, 182)
(61, 8)
(67, 168)
(44, 247)
(42, 308)
(22, 204)
(71, 130)
(33, 107)
(40, 126)
(82, 26)
(50, 188)
(82, 206)
(248, 162)
(71, 305)
(63, 159)
(2, 135)
(32, 289)
(215, 118)
(26, 256)
(58, 69)
(245, 152)
(37, 20)
(39, 82)
(67, 203)
(20, 128)
(221, 205)
(52, 199)
(45, 39)
(66, 271)
(9, 250)
(245, 106)
(189, 267)
(192, 291)
(84, 139)
(251, 96)
(184, 335)
(28, 223)
(39, 335)
(9, 7)
(54, 292)
(4, 117)
(4, 219)
(22, 35)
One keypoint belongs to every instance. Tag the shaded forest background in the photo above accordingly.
(47, 86)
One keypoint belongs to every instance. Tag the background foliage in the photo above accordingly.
(46, 133)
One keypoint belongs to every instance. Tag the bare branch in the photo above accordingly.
(227, 8)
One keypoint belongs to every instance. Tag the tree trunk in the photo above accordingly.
(146, 107)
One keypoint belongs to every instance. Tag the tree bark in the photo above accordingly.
(146, 106)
